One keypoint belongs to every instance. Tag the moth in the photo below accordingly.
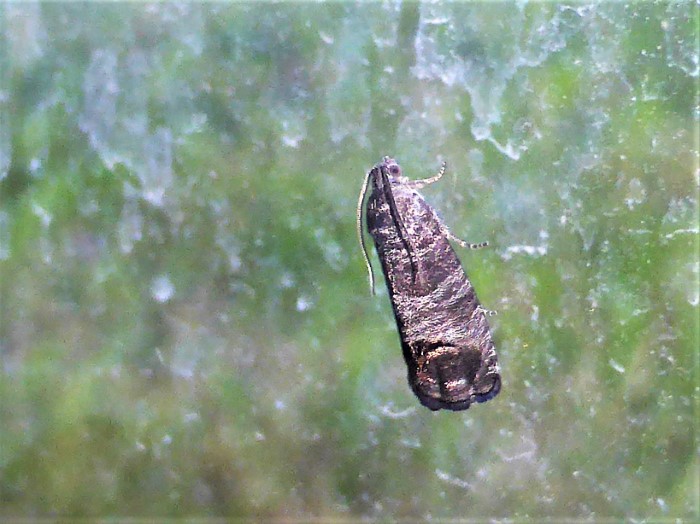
(445, 336)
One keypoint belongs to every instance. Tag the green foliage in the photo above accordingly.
(185, 325)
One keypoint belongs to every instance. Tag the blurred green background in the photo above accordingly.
(185, 323)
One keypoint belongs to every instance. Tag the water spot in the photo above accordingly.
(5, 143)
(293, 133)
(42, 214)
(191, 417)
(388, 411)
(636, 193)
(681, 52)
(162, 288)
(693, 291)
(35, 166)
(232, 248)
(332, 252)
(25, 32)
(129, 230)
(616, 366)
(533, 251)
(304, 303)
(287, 280)
(455, 481)
(156, 173)
(411, 442)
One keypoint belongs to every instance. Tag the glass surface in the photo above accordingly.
(186, 327)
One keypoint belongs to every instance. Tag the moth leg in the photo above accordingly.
(417, 184)
(462, 242)
(424, 182)
(487, 312)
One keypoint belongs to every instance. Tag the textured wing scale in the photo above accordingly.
(444, 332)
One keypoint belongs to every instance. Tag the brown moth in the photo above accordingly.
(444, 332)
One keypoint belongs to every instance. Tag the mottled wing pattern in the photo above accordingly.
(444, 332)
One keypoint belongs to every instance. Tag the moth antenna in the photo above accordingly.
(360, 227)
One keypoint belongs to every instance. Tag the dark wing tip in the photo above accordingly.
(485, 389)
(488, 388)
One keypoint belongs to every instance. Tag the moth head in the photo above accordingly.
(450, 377)
(391, 167)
